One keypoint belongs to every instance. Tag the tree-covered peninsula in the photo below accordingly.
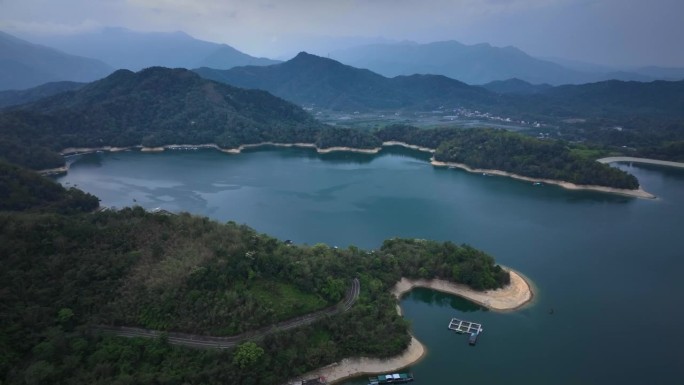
(65, 272)
(496, 149)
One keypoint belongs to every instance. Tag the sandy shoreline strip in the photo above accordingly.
(54, 171)
(354, 367)
(513, 296)
(629, 159)
(640, 193)
(406, 145)
(236, 150)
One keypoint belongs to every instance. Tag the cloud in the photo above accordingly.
(603, 30)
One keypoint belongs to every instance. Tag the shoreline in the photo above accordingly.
(510, 298)
(214, 146)
(639, 193)
(359, 366)
(629, 159)
(406, 145)
(54, 171)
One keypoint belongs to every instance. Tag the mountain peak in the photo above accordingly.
(303, 55)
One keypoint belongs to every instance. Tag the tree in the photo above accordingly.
(39, 373)
(247, 354)
(64, 317)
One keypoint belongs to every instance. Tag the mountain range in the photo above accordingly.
(24, 65)
(126, 49)
(310, 80)
(483, 63)
(477, 64)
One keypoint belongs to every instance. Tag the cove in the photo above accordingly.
(609, 266)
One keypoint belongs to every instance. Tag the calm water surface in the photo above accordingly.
(611, 267)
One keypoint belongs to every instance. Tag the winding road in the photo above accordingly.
(627, 159)
(202, 341)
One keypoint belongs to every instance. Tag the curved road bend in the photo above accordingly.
(201, 341)
(627, 159)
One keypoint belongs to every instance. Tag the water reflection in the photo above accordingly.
(342, 157)
(436, 298)
(92, 159)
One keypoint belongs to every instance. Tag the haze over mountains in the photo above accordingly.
(24, 65)
(483, 63)
(123, 48)
(92, 55)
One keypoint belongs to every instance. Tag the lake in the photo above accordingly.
(610, 267)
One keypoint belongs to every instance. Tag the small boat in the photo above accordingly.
(472, 340)
(536, 184)
(396, 378)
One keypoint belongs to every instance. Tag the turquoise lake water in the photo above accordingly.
(610, 267)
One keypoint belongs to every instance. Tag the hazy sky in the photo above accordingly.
(614, 32)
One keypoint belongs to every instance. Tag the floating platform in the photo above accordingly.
(396, 378)
(463, 327)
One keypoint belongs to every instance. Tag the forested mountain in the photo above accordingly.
(313, 80)
(16, 97)
(24, 65)
(24, 190)
(66, 270)
(154, 107)
(126, 49)
(615, 99)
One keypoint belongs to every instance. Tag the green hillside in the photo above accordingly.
(154, 107)
(63, 274)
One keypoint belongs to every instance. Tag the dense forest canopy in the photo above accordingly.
(66, 268)
(24, 190)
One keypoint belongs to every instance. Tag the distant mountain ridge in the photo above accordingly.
(16, 97)
(480, 64)
(472, 64)
(123, 48)
(516, 86)
(25, 65)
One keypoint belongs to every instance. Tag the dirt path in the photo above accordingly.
(202, 341)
